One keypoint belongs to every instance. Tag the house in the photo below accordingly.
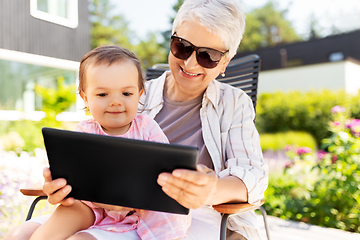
(40, 40)
(328, 63)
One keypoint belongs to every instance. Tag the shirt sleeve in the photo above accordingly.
(79, 127)
(243, 155)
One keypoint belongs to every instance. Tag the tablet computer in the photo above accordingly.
(115, 170)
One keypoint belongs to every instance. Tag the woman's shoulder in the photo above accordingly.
(228, 93)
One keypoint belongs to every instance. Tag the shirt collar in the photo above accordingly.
(212, 92)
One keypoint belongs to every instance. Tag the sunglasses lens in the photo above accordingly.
(208, 58)
(180, 48)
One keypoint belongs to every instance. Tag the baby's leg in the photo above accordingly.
(22, 232)
(65, 221)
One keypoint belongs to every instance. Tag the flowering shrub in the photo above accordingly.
(324, 188)
(19, 172)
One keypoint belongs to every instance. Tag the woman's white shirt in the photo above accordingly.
(227, 117)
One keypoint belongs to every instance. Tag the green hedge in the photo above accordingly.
(323, 188)
(278, 141)
(309, 112)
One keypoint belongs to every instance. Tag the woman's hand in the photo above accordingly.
(56, 190)
(192, 189)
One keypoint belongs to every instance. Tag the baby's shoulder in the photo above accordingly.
(144, 121)
(88, 126)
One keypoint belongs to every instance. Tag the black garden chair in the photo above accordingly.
(241, 73)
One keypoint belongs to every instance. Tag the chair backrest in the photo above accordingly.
(242, 73)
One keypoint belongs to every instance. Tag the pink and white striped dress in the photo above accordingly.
(148, 224)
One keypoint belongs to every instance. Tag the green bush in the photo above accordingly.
(278, 141)
(29, 131)
(296, 111)
(55, 101)
(322, 189)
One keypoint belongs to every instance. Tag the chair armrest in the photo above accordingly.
(32, 192)
(228, 208)
(232, 208)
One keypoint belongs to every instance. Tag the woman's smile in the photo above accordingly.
(188, 73)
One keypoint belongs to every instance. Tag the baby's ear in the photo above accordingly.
(83, 96)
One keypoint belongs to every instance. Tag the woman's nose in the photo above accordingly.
(191, 62)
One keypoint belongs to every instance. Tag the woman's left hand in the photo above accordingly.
(192, 189)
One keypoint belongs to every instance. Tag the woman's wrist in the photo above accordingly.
(225, 193)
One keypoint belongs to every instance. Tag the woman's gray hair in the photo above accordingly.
(224, 18)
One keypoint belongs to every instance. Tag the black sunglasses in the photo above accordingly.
(206, 57)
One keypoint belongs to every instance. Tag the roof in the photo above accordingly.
(331, 48)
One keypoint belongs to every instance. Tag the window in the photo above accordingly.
(336, 56)
(21, 72)
(62, 12)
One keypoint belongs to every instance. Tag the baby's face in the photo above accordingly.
(112, 95)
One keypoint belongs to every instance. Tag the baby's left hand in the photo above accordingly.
(113, 207)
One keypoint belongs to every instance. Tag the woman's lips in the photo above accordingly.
(189, 74)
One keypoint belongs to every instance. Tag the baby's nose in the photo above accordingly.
(116, 101)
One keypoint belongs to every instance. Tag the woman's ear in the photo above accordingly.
(224, 65)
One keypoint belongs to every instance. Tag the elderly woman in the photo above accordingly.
(194, 109)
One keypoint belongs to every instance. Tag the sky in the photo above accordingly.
(144, 16)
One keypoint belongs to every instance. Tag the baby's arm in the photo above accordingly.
(65, 222)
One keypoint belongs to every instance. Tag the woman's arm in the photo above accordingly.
(243, 176)
(193, 189)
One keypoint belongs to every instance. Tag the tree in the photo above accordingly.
(111, 28)
(151, 52)
(314, 32)
(267, 27)
(108, 28)
(167, 34)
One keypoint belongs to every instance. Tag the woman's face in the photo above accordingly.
(188, 74)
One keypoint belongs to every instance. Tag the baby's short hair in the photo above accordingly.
(108, 55)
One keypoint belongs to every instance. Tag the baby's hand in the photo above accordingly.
(113, 207)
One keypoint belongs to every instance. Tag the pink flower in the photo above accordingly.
(336, 123)
(333, 158)
(303, 150)
(289, 165)
(321, 154)
(354, 127)
(288, 148)
(337, 109)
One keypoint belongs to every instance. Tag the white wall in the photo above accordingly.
(333, 76)
(352, 77)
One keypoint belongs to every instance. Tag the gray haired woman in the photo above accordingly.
(192, 108)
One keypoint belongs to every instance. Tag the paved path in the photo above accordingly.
(291, 230)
